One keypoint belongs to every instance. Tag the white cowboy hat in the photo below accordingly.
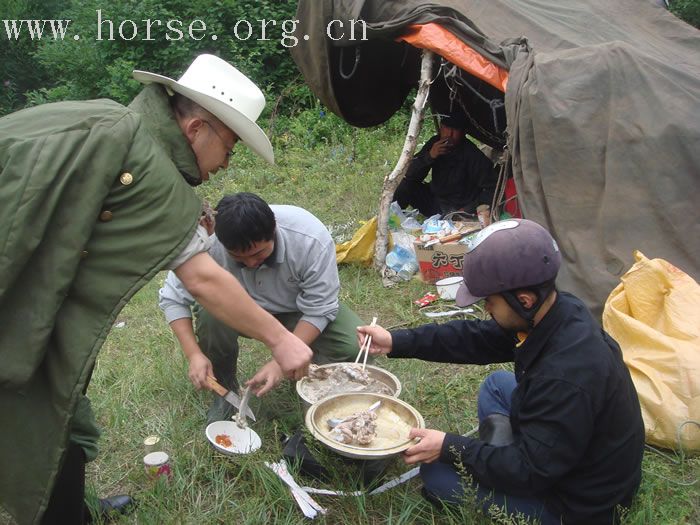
(225, 92)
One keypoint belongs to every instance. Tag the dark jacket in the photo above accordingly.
(579, 436)
(461, 179)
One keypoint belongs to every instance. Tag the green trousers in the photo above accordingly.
(337, 343)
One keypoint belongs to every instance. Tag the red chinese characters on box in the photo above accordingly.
(440, 260)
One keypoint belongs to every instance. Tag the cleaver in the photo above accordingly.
(449, 238)
(229, 396)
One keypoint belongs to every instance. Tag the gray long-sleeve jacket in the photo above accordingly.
(301, 275)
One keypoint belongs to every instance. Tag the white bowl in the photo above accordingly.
(244, 440)
(447, 288)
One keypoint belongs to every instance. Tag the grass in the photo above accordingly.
(140, 384)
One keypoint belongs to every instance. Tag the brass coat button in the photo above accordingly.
(106, 216)
(126, 178)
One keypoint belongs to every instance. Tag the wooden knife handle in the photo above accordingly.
(449, 238)
(216, 387)
(458, 235)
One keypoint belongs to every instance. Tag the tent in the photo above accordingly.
(596, 103)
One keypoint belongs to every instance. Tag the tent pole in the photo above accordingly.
(391, 181)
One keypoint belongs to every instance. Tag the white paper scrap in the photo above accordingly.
(403, 478)
(307, 504)
(326, 492)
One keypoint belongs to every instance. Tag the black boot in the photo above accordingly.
(495, 429)
(111, 507)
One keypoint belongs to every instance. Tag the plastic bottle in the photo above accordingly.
(408, 269)
(396, 216)
(402, 261)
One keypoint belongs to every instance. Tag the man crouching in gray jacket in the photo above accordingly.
(284, 257)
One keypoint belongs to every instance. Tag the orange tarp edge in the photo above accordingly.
(439, 40)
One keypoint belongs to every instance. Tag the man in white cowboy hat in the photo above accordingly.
(95, 199)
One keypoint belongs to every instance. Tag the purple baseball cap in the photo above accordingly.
(507, 255)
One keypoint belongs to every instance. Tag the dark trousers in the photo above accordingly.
(417, 195)
(441, 481)
(67, 502)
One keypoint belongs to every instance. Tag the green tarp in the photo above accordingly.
(601, 114)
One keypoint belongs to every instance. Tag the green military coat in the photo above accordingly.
(93, 202)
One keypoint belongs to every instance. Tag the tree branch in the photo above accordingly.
(391, 181)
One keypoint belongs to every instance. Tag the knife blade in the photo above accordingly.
(230, 396)
(449, 238)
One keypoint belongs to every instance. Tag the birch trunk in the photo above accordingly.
(391, 181)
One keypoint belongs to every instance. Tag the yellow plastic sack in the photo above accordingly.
(360, 248)
(654, 314)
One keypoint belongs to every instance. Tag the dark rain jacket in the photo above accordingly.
(460, 179)
(93, 202)
(579, 436)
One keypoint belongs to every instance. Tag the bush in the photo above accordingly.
(688, 10)
(19, 69)
(90, 68)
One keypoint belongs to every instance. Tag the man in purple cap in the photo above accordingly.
(560, 439)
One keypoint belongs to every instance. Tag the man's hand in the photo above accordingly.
(439, 148)
(292, 355)
(267, 378)
(200, 368)
(222, 295)
(208, 220)
(429, 448)
(381, 339)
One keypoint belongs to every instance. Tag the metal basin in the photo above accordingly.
(394, 420)
(386, 377)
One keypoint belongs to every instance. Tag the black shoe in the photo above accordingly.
(109, 507)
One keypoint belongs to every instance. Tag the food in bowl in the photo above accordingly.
(360, 428)
(224, 440)
(240, 440)
(324, 381)
(381, 428)
(393, 424)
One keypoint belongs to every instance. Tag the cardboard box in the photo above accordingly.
(440, 260)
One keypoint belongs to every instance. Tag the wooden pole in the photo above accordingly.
(391, 181)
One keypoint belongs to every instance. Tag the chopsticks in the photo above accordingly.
(365, 346)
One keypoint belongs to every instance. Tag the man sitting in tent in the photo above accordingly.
(561, 439)
(285, 259)
(462, 176)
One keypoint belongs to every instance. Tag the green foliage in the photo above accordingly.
(100, 63)
(19, 70)
(688, 10)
